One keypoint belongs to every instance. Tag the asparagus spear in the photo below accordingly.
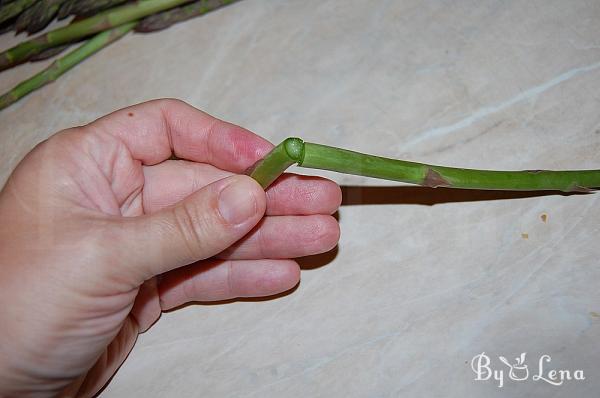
(14, 8)
(315, 156)
(87, 8)
(83, 28)
(38, 16)
(65, 9)
(60, 66)
(167, 18)
(7, 26)
(49, 53)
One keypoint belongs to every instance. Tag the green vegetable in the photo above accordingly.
(38, 16)
(65, 63)
(14, 8)
(87, 8)
(165, 19)
(316, 156)
(86, 27)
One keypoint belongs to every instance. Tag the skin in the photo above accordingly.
(101, 233)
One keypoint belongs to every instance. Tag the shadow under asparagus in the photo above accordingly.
(415, 195)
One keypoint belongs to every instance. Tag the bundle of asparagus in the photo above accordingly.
(98, 22)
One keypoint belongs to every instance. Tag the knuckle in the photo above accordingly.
(263, 243)
(169, 103)
(193, 227)
(64, 139)
(188, 287)
(230, 288)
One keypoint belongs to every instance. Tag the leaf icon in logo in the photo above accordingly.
(518, 371)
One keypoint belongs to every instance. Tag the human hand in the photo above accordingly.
(101, 232)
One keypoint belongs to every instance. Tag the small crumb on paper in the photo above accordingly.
(544, 217)
(594, 314)
(525, 236)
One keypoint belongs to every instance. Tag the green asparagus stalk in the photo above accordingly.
(49, 53)
(5, 2)
(38, 16)
(87, 8)
(315, 156)
(14, 8)
(65, 9)
(7, 26)
(98, 23)
(170, 17)
(60, 66)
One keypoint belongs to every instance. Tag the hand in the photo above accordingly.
(94, 214)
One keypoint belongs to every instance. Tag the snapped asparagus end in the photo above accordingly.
(268, 169)
(295, 148)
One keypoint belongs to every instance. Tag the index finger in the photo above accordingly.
(153, 131)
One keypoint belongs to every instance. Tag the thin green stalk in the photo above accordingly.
(316, 156)
(49, 53)
(87, 8)
(60, 66)
(65, 10)
(14, 8)
(38, 16)
(165, 19)
(85, 27)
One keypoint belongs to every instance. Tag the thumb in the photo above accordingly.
(201, 226)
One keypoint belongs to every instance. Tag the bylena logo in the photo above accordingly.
(484, 370)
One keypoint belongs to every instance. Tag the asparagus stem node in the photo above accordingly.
(315, 156)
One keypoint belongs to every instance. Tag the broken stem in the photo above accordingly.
(316, 156)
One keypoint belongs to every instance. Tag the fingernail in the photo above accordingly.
(237, 202)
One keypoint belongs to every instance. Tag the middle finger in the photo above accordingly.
(277, 237)
(171, 181)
